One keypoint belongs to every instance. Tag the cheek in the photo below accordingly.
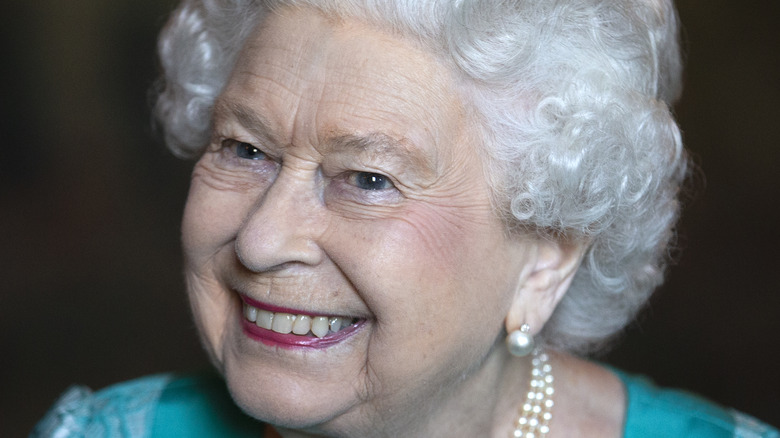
(426, 277)
(425, 260)
(211, 220)
(211, 308)
(212, 217)
(453, 243)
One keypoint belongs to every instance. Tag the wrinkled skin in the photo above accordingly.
(344, 178)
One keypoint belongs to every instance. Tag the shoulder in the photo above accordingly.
(657, 412)
(206, 407)
(125, 409)
(159, 405)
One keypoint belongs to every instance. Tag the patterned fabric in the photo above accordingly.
(123, 410)
(200, 406)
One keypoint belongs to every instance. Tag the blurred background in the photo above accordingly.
(90, 283)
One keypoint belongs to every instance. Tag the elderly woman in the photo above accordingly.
(408, 218)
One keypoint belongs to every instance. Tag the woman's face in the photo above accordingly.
(343, 181)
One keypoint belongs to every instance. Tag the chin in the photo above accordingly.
(287, 400)
(296, 388)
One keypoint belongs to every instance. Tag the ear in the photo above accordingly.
(540, 290)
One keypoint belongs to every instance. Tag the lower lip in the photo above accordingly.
(290, 341)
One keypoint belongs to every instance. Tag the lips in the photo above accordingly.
(287, 327)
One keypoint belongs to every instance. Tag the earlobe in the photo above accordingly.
(541, 289)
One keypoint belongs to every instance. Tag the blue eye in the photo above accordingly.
(370, 181)
(246, 150)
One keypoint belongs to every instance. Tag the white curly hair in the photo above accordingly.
(574, 101)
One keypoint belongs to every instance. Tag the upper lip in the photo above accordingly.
(295, 311)
(276, 309)
(244, 287)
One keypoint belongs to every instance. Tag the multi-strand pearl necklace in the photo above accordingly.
(535, 415)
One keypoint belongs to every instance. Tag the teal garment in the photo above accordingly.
(656, 412)
(208, 408)
(200, 406)
(163, 405)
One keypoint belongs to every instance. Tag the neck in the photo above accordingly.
(485, 399)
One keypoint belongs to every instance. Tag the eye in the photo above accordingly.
(249, 152)
(370, 181)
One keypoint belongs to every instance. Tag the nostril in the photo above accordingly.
(272, 243)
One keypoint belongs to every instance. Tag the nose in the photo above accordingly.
(283, 226)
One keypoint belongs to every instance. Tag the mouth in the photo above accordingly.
(287, 327)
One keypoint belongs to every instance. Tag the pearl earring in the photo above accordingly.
(520, 343)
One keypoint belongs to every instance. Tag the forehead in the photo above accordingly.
(309, 79)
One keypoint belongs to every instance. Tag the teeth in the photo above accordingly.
(286, 323)
(283, 323)
(319, 326)
(302, 325)
(335, 324)
(250, 313)
(264, 319)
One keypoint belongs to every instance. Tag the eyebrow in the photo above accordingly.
(248, 119)
(378, 144)
(382, 145)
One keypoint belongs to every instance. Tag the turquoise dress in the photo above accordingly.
(200, 406)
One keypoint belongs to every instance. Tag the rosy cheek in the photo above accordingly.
(415, 248)
(441, 234)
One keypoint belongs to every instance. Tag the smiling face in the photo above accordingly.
(343, 185)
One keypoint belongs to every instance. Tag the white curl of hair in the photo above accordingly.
(574, 101)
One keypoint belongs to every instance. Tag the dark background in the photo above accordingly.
(90, 283)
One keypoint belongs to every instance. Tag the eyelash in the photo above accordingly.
(248, 149)
(371, 184)
(358, 178)
(242, 154)
(243, 150)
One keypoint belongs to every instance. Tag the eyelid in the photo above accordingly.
(226, 157)
(229, 130)
(234, 142)
(354, 175)
(249, 151)
(342, 189)
(226, 142)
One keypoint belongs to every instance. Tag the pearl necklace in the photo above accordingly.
(535, 415)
